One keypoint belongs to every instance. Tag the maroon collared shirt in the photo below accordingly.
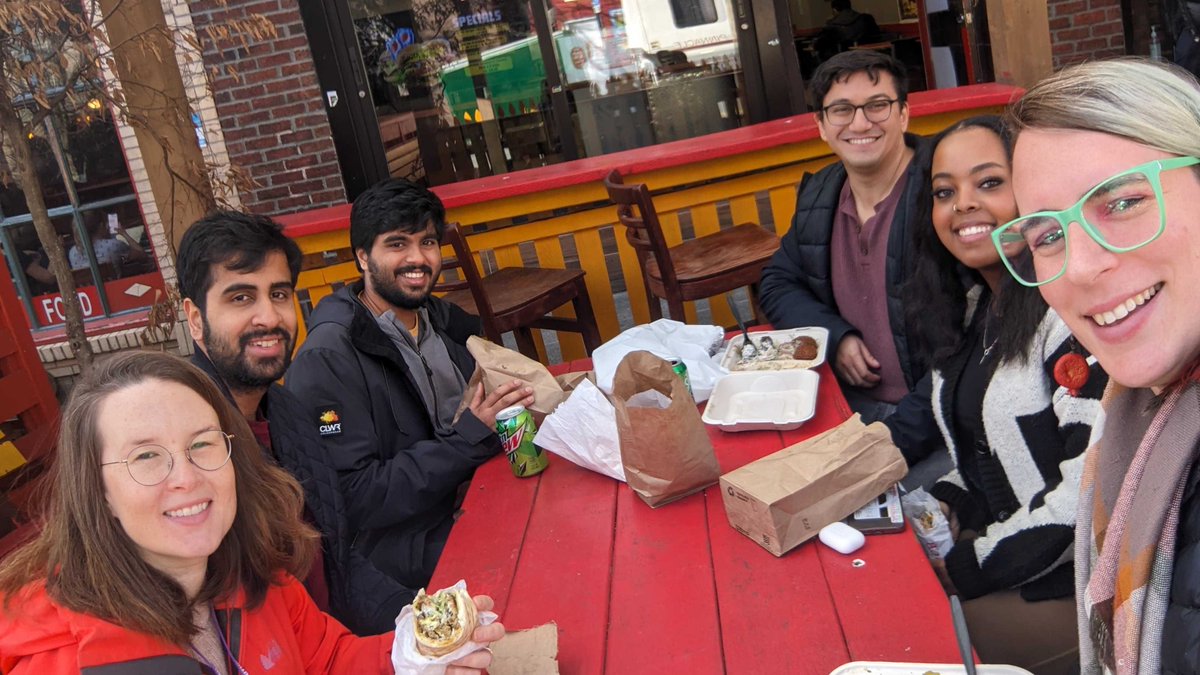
(858, 261)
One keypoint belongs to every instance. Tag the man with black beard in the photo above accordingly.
(382, 374)
(237, 277)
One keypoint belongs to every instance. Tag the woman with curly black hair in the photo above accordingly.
(1015, 433)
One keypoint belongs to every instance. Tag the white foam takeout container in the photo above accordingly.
(880, 668)
(733, 350)
(750, 401)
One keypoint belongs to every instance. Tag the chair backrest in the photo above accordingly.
(642, 228)
(471, 277)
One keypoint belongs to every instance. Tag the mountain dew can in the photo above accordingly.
(516, 429)
(680, 369)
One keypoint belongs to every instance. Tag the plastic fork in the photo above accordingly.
(749, 350)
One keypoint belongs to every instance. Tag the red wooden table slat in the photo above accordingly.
(892, 608)
(776, 614)
(735, 449)
(486, 540)
(562, 575)
(663, 612)
(676, 589)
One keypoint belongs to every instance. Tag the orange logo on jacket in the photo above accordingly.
(329, 423)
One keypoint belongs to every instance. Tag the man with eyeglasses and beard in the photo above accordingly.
(237, 277)
(382, 375)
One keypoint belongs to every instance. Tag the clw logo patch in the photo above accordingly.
(328, 422)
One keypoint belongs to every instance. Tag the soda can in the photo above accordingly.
(516, 429)
(680, 369)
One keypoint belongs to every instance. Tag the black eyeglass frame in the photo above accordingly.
(891, 102)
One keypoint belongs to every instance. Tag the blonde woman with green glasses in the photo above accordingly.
(1107, 180)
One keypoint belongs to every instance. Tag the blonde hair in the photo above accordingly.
(1151, 103)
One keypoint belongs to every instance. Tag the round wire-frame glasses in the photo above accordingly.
(150, 464)
(1014, 231)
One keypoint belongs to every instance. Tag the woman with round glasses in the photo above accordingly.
(1016, 436)
(1106, 177)
(170, 542)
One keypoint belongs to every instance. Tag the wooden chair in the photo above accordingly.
(518, 299)
(696, 269)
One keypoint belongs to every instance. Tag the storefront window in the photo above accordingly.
(461, 87)
(95, 215)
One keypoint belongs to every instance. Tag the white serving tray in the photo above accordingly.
(733, 350)
(750, 401)
(880, 668)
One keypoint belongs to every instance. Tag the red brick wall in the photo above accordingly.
(1082, 30)
(273, 116)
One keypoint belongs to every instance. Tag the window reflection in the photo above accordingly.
(30, 259)
(114, 237)
(460, 87)
(96, 219)
(688, 13)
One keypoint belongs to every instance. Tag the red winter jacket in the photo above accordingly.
(286, 635)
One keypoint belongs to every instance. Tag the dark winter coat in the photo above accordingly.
(362, 597)
(399, 476)
(1181, 629)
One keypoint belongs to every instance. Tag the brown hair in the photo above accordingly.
(88, 562)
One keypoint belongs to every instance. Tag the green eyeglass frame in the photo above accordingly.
(1006, 234)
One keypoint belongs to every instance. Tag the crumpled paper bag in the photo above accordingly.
(406, 660)
(782, 500)
(526, 652)
(583, 430)
(496, 365)
(667, 339)
(666, 450)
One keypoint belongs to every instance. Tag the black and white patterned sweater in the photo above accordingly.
(1023, 505)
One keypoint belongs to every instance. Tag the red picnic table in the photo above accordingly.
(676, 589)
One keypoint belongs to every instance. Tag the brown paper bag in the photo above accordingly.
(496, 365)
(526, 652)
(666, 451)
(785, 498)
(568, 381)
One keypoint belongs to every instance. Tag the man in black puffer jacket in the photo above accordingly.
(237, 275)
(850, 247)
(382, 374)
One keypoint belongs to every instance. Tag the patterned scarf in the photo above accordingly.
(1130, 496)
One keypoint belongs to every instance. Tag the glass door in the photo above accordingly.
(450, 90)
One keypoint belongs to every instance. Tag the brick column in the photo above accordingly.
(1085, 30)
(271, 113)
